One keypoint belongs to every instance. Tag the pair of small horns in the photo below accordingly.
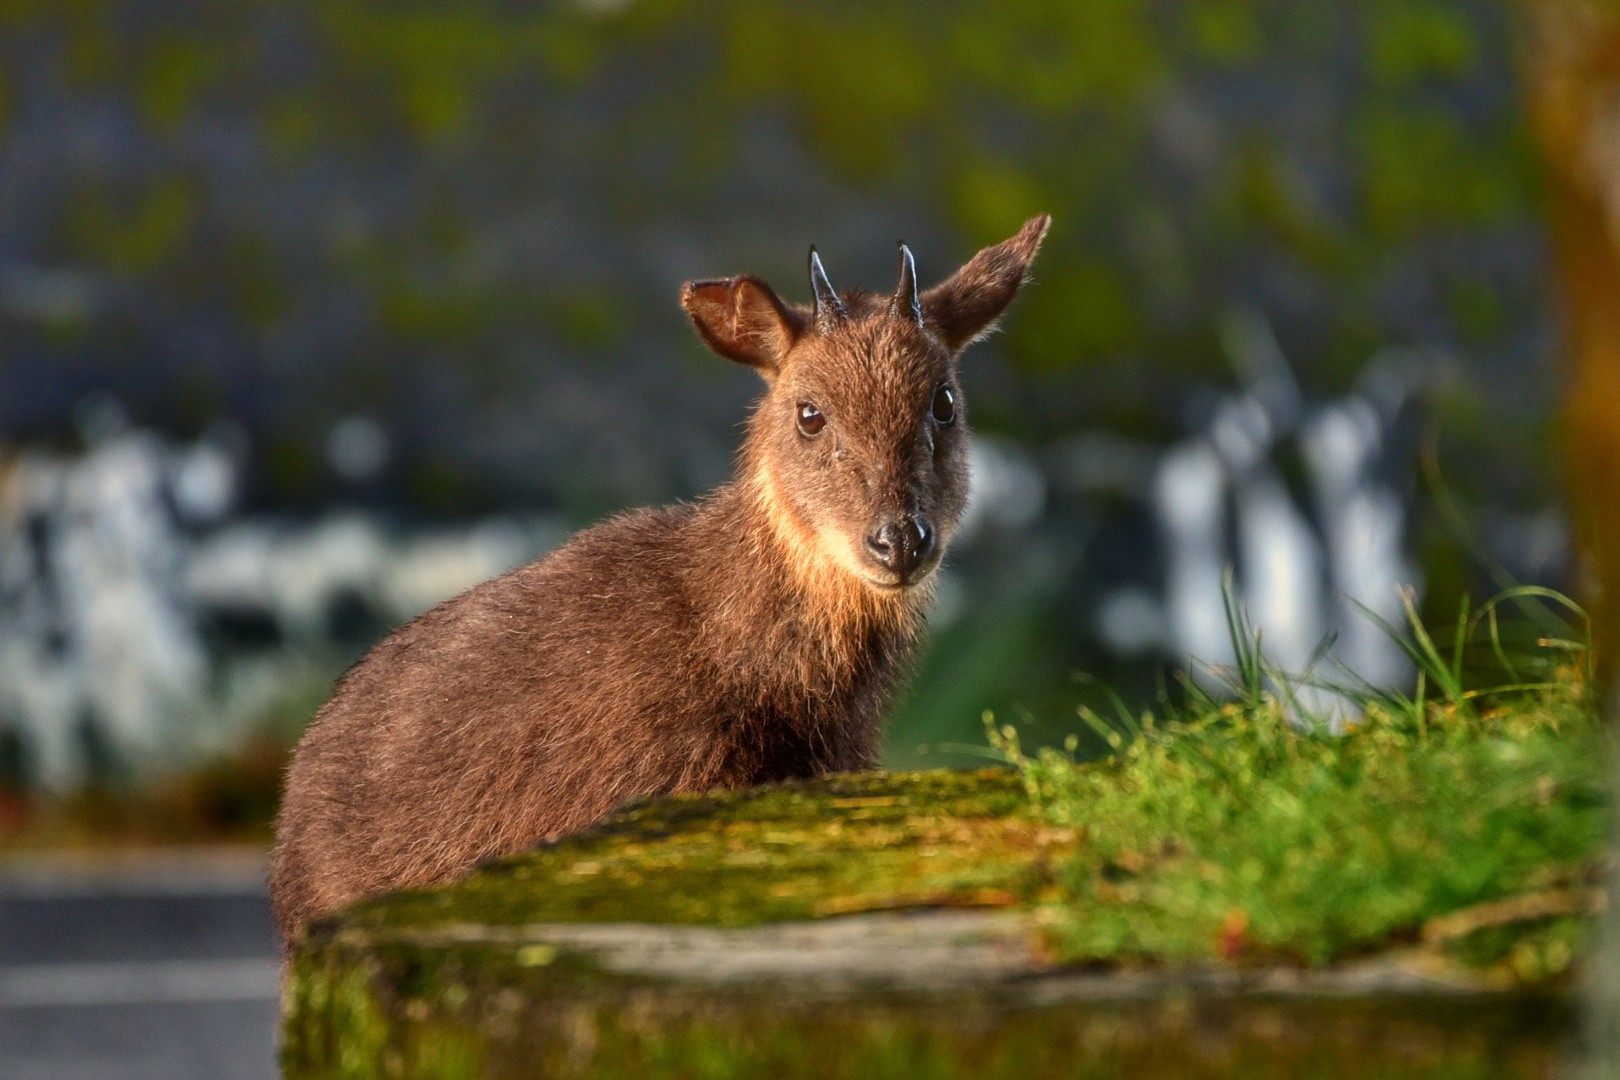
(830, 310)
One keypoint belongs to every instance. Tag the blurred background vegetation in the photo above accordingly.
(419, 261)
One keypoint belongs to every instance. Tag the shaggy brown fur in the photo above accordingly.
(752, 636)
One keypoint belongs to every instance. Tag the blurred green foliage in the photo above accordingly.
(1173, 142)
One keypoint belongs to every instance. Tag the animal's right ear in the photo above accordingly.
(742, 319)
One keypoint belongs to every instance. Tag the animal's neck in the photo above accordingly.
(785, 607)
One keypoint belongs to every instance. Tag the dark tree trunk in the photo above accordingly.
(1572, 86)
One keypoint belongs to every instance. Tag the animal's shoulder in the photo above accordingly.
(626, 564)
(658, 528)
(637, 555)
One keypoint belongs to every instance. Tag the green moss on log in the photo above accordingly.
(792, 851)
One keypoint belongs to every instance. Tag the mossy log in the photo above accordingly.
(858, 926)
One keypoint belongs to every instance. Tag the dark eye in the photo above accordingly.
(810, 419)
(944, 406)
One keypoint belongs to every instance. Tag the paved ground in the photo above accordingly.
(137, 970)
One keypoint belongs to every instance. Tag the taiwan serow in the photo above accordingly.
(754, 635)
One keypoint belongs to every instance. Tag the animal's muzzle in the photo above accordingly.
(901, 545)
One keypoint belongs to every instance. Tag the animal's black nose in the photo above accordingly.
(901, 546)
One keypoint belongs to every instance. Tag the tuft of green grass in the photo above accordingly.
(1243, 828)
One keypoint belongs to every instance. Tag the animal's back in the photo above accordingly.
(524, 708)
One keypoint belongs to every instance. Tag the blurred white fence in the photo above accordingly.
(141, 622)
(1316, 562)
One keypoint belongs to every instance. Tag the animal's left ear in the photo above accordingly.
(965, 307)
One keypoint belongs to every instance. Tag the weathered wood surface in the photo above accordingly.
(926, 961)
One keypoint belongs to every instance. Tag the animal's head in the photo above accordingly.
(859, 447)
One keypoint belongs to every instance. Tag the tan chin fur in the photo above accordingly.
(826, 566)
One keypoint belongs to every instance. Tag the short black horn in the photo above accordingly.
(829, 310)
(906, 302)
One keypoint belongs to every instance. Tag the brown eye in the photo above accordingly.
(944, 406)
(810, 419)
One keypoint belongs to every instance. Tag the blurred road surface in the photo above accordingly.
(151, 969)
